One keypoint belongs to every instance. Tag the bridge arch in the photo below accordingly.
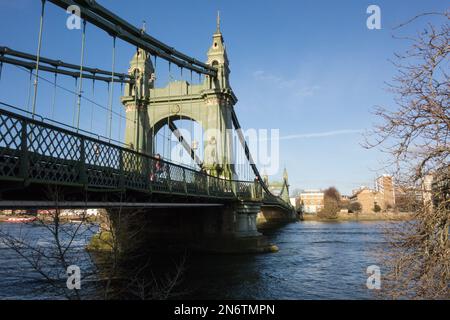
(180, 138)
(164, 118)
(163, 121)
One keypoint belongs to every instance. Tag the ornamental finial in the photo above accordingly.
(218, 21)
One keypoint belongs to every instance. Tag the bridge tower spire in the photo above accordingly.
(218, 22)
(136, 100)
(265, 178)
(220, 99)
(217, 57)
(285, 191)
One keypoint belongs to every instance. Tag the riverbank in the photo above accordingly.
(383, 216)
(48, 219)
(4, 218)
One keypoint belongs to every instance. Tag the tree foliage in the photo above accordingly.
(331, 204)
(355, 207)
(376, 208)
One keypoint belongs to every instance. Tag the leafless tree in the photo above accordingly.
(124, 267)
(145, 285)
(416, 135)
(50, 256)
(113, 241)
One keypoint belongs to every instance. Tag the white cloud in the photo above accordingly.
(307, 91)
(321, 134)
(279, 81)
(294, 85)
(308, 135)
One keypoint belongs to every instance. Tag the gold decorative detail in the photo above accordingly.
(175, 109)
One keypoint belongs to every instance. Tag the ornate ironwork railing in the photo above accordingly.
(38, 152)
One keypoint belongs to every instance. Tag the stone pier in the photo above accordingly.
(272, 216)
(229, 228)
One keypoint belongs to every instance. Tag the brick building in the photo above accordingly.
(368, 198)
(383, 195)
(385, 186)
(311, 201)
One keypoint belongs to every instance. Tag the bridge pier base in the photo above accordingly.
(226, 229)
(243, 235)
(246, 214)
(273, 216)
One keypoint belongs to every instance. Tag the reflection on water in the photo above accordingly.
(316, 261)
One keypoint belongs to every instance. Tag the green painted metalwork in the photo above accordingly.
(57, 66)
(36, 152)
(103, 18)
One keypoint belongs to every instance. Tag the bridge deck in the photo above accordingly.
(33, 152)
(98, 204)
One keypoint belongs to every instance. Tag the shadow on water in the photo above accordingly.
(316, 260)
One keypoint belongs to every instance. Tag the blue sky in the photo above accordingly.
(310, 68)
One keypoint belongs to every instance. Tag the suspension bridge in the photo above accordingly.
(218, 191)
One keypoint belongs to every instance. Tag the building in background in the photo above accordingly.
(368, 198)
(385, 186)
(382, 196)
(293, 201)
(70, 212)
(427, 188)
(311, 201)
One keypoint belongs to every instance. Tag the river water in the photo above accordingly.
(317, 260)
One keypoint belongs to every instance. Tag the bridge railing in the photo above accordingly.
(41, 153)
(272, 199)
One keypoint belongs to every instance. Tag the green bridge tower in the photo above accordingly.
(209, 104)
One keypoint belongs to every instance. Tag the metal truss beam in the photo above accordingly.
(118, 27)
(248, 155)
(32, 66)
(173, 127)
(55, 66)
